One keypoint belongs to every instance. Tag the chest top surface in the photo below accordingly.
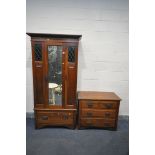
(92, 95)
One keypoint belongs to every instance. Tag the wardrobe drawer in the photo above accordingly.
(98, 104)
(98, 113)
(97, 122)
(54, 117)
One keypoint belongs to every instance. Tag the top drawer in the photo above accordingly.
(98, 104)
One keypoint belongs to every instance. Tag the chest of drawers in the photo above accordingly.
(98, 109)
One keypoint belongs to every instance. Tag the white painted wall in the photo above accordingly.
(103, 50)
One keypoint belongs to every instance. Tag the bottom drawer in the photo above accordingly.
(55, 118)
(97, 122)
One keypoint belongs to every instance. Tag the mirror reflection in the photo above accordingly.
(55, 74)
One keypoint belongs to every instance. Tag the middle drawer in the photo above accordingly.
(98, 113)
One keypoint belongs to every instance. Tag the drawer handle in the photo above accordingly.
(89, 114)
(108, 105)
(44, 117)
(107, 114)
(90, 105)
(65, 117)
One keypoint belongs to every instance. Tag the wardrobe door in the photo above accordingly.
(55, 75)
(38, 78)
(72, 54)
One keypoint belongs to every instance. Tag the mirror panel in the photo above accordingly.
(55, 74)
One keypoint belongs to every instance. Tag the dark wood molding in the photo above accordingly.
(56, 36)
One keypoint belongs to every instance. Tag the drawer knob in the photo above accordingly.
(44, 117)
(90, 105)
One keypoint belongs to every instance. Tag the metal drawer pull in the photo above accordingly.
(90, 105)
(65, 117)
(89, 114)
(44, 117)
(108, 105)
(107, 114)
